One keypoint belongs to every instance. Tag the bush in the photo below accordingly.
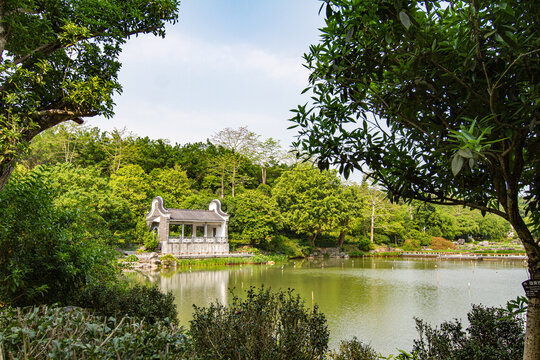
(120, 299)
(355, 350)
(168, 260)
(411, 245)
(493, 333)
(59, 333)
(132, 258)
(283, 245)
(422, 237)
(265, 325)
(439, 243)
(46, 254)
(365, 245)
(381, 239)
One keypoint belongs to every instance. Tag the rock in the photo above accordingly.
(461, 241)
(483, 243)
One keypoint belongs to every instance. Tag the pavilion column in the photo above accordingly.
(193, 230)
(205, 230)
(182, 231)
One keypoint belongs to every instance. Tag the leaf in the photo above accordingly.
(457, 164)
(466, 153)
(405, 20)
(349, 34)
(329, 11)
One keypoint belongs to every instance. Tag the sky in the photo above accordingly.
(225, 63)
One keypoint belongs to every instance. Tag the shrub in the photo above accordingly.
(411, 245)
(493, 333)
(59, 333)
(265, 325)
(168, 260)
(120, 299)
(355, 350)
(365, 244)
(283, 245)
(46, 254)
(132, 258)
(381, 239)
(439, 243)
(422, 237)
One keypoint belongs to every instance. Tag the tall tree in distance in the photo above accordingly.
(241, 143)
(268, 153)
(440, 100)
(59, 62)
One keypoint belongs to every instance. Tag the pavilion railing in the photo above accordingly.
(199, 240)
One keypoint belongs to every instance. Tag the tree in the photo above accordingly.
(59, 62)
(242, 145)
(268, 153)
(45, 253)
(117, 144)
(254, 215)
(440, 101)
(133, 184)
(171, 184)
(353, 203)
(309, 200)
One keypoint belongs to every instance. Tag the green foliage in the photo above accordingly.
(171, 184)
(168, 260)
(493, 228)
(45, 252)
(120, 299)
(423, 238)
(203, 263)
(364, 244)
(60, 62)
(131, 258)
(265, 325)
(309, 200)
(492, 333)
(283, 245)
(254, 216)
(354, 350)
(42, 333)
(133, 184)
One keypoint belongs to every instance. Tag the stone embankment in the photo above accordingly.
(457, 256)
(147, 261)
(329, 252)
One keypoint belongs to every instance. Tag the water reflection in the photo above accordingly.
(372, 299)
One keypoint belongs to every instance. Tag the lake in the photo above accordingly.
(375, 300)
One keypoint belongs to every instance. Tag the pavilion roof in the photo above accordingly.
(194, 215)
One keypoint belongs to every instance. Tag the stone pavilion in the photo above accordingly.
(189, 232)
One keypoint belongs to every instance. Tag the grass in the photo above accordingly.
(212, 262)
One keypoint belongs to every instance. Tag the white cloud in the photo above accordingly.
(181, 51)
(180, 126)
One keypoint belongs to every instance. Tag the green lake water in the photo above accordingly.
(372, 299)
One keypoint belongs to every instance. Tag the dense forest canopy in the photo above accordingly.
(113, 177)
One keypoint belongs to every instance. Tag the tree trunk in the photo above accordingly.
(341, 239)
(532, 248)
(233, 180)
(532, 334)
(222, 184)
(314, 237)
(532, 337)
(5, 172)
(372, 221)
(263, 174)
